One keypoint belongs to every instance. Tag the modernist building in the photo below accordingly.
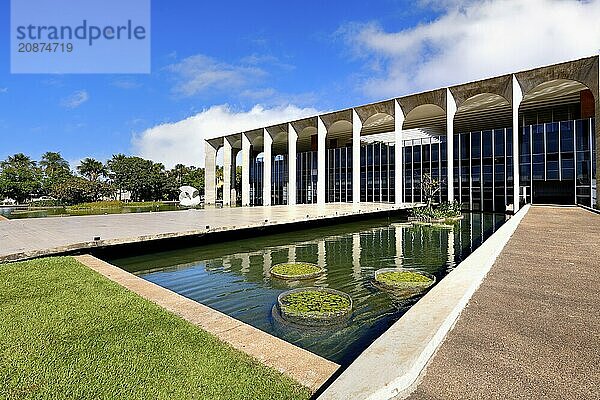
(529, 136)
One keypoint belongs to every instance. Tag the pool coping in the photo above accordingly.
(392, 364)
(191, 236)
(304, 367)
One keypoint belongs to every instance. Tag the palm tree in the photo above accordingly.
(20, 178)
(54, 165)
(19, 159)
(91, 169)
(178, 172)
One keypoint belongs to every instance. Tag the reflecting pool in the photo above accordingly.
(233, 277)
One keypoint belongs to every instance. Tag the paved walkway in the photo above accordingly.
(25, 238)
(532, 330)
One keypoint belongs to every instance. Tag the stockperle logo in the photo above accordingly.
(80, 36)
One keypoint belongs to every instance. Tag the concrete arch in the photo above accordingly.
(370, 110)
(338, 128)
(255, 137)
(379, 122)
(553, 88)
(376, 119)
(483, 111)
(215, 143)
(500, 86)
(481, 101)
(305, 129)
(279, 136)
(584, 71)
(425, 116)
(434, 97)
(332, 118)
(235, 140)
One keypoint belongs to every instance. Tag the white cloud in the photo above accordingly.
(474, 40)
(3, 90)
(200, 73)
(75, 99)
(183, 141)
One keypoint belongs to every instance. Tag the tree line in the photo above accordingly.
(22, 179)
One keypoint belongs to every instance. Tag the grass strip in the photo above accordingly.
(67, 332)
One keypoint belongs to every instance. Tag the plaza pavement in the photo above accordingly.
(34, 237)
(532, 330)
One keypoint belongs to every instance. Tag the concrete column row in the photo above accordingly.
(229, 164)
(229, 157)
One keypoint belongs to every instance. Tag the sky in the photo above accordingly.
(227, 66)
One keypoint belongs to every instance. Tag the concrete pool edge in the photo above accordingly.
(392, 364)
(304, 367)
(34, 237)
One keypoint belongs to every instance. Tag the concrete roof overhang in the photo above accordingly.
(235, 140)
(216, 143)
(584, 71)
(279, 134)
(304, 128)
(489, 98)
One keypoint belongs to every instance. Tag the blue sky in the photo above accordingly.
(216, 62)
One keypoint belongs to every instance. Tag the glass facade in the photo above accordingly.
(256, 181)
(306, 177)
(377, 174)
(279, 180)
(424, 156)
(483, 169)
(557, 164)
(338, 186)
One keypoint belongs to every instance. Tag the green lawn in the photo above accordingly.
(66, 332)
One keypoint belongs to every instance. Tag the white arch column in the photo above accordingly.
(227, 166)
(210, 178)
(245, 170)
(517, 98)
(356, 128)
(292, 142)
(398, 153)
(450, 112)
(267, 161)
(321, 171)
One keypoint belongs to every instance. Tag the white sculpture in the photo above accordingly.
(189, 196)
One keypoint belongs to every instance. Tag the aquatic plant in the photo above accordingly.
(402, 277)
(297, 270)
(403, 283)
(314, 306)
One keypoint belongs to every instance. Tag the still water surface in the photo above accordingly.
(234, 277)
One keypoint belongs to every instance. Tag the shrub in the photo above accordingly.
(440, 212)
